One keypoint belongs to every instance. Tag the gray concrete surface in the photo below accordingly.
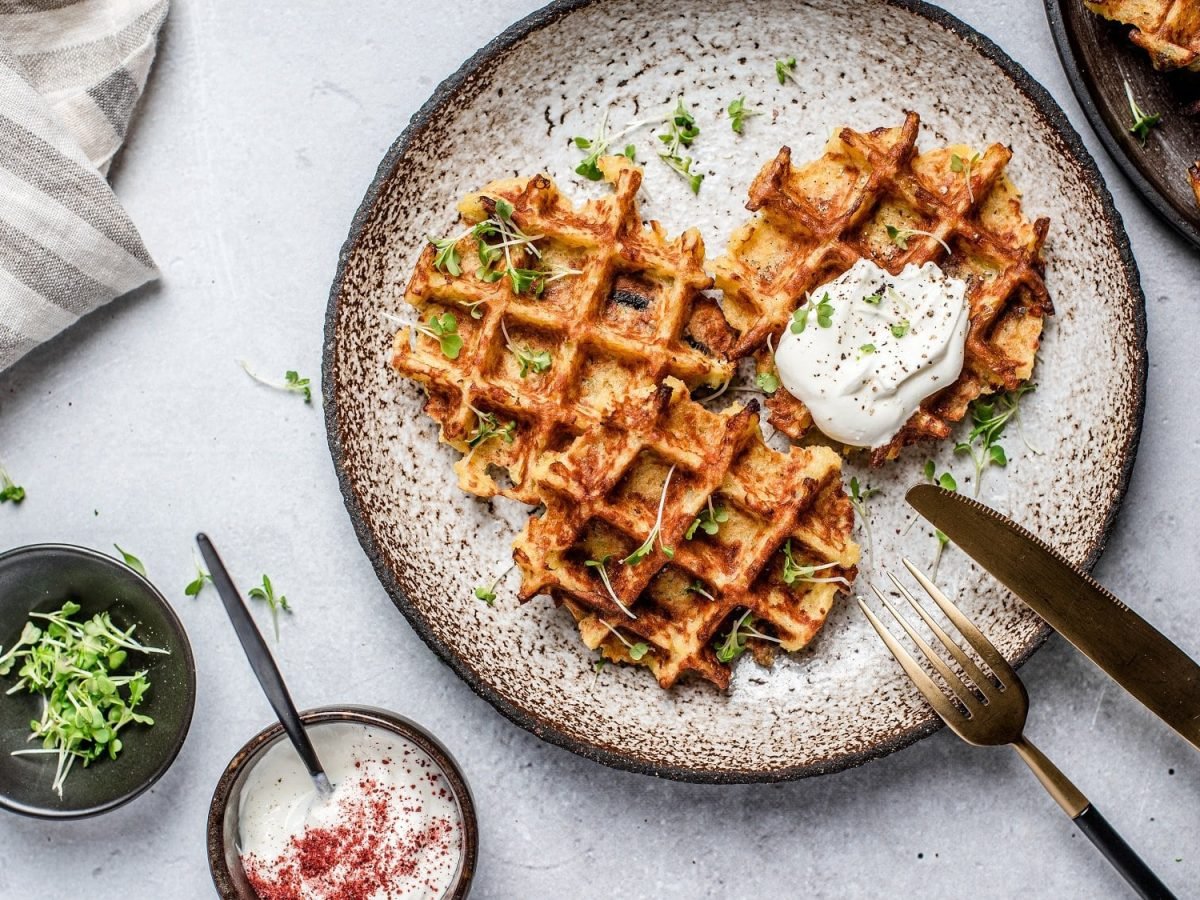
(261, 128)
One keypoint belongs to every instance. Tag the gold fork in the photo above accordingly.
(991, 711)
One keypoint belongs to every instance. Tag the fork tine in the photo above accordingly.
(973, 671)
(933, 695)
(953, 681)
(985, 648)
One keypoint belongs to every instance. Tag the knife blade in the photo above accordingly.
(1123, 644)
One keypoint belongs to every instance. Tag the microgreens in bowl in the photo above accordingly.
(76, 668)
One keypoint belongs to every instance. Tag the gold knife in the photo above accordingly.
(1130, 650)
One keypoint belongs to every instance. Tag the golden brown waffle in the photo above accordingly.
(1194, 179)
(1169, 30)
(816, 220)
(630, 316)
(603, 494)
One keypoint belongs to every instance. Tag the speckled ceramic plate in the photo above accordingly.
(513, 108)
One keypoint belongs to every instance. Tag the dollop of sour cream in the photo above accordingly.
(869, 346)
(391, 829)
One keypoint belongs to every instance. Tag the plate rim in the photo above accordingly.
(1091, 109)
(530, 720)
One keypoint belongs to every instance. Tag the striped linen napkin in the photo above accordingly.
(71, 72)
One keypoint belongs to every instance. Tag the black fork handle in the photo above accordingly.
(1121, 855)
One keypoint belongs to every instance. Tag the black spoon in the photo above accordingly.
(263, 665)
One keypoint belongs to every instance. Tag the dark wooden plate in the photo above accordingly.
(1098, 57)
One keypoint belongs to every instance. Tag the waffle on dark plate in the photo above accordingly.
(1169, 30)
(873, 195)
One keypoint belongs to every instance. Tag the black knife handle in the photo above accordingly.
(1121, 855)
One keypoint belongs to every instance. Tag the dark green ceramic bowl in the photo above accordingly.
(40, 578)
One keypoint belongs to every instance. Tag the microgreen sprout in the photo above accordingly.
(598, 145)
(74, 666)
(697, 587)
(447, 258)
(444, 330)
(681, 131)
(487, 592)
(866, 350)
(873, 299)
(10, 492)
(990, 418)
(858, 499)
(900, 329)
(946, 482)
(964, 166)
(738, 114)
(793, 571)
(487, 426)
(292, 382)
(132, 561)
(636, 651)
(601, 567)
(823, 309)
(768, 382)
(475, 310)
(496, 237)
(196, 585)
(266, 593)
(1143, 122)
(530, 360)
(734, 644)
(901, 236)
(785, 68)
(656, 532)
(709, 521)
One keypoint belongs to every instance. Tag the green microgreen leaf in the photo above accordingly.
(866, 350)
(858, 499)
(487, 427)
(487, 592)
(196, 585)
(647, 546)
(266, 593)
(873, 299)
(635, 651)
(292, 382)
(709, 521)
(958, 164)
(601, 567)
(681, 131)
(444, 330)
(734, 643)
(901, 236)
(794, 571)
(900, 329)
(738, 114)
(823, 308)
(785, 68)
(989, 418)
(132, 561)
(1143, 122)
(768, 382)
(447, 258)
(10, 492)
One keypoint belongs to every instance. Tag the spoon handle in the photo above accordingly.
(261, 661)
